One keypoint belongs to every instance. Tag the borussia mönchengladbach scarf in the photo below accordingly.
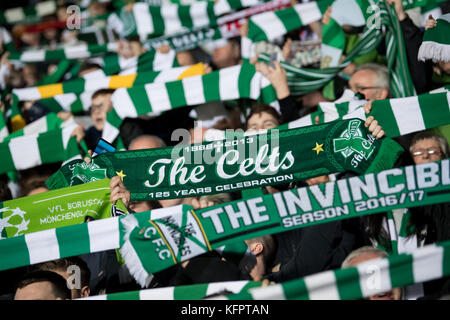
(57, 208)
(252, 161)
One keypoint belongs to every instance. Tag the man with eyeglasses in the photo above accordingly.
(371, 81)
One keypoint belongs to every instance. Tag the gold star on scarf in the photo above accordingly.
(318, 148)
(121, 174)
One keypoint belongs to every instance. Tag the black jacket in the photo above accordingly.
(421, 72)
(316, 248)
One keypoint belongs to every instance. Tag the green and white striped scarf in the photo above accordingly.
(290, 208)
(151, 60)
(188, 292)
(343, 12)
(339, 284)
(402, 240)
(43, 124)
(83, 85)
(32, 13)
(6, 40)
(268, 26)
(3, 127)
(436, 44)
(241, 81)
(153, 245)
(227, 27)
(146, 20)
(75, 95)
(397, 116)
(27, 151)
(303, 80)
(70, 52)
(361, 281)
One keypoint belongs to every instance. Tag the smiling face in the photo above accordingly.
(101, 104)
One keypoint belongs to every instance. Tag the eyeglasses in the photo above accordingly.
(421, 152)
(359, 89)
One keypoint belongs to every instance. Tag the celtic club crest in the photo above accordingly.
(86, 172)
(352, 141)
(13, 219)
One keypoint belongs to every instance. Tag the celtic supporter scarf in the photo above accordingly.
(30, 13)
(44, 124)
(75, 52)
(396, 116)
(187, 292)
(361, 281)
(75, 95)
(304, 80)
(343, 12)
(259, 160)
(26, 151)
(241, 81)
(168, 239)
(436, 44)
(147, 20)
(81, 85)
(6, 40)
(3, 127)
(152, 241)
(228, 26)
(151, 60)
(58, 208)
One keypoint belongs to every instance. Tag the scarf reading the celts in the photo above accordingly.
(153, 241)
(252, 161)
(58, 208)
